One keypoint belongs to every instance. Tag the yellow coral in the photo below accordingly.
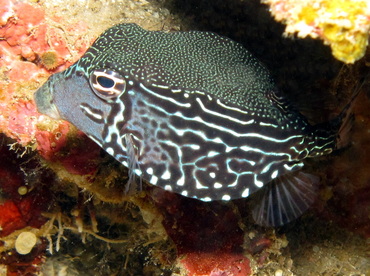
(342, 24)
(344, 29)
(308, 14)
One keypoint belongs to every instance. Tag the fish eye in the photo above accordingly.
(107, 84)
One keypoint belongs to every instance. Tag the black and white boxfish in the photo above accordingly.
(194, 113)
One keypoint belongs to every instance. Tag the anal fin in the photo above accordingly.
(284, 199)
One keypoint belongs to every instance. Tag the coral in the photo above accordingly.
(216, 264)
(23, 202)
(11, 218)
(32, 46)
(62, 143)
(207, 236)
(49, 60)
(25, 242)
(20, 209)
(24, 264)
(342, 24)
(51, 138)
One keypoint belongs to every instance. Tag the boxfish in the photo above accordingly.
(196, 114)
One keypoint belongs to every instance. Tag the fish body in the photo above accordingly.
(192, 112)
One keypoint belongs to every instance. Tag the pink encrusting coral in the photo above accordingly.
(216, 264)
(32, 47)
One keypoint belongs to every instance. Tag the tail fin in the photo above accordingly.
(345, 119)
(335, 133)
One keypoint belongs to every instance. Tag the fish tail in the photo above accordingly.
(344, 121)
(290, 195)
(335, 134)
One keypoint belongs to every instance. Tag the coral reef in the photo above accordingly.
(23, 199)
(208, 237)
(63, 207)
(32, 47)
(342, 24)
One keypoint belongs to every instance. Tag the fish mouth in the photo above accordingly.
(44, 101)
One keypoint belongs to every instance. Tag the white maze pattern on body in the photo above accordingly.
(218, 150)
